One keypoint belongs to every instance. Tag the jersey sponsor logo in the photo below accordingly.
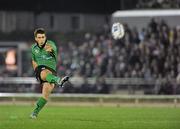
(48, 58)
(36, 51)
(45, 57)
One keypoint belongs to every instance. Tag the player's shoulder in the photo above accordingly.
(51, 42)
(33, 46)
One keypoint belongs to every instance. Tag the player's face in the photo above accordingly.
(40, 39)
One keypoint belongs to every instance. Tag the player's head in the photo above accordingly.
(40, 36)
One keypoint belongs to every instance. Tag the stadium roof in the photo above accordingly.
(146, 13)
(69, 6)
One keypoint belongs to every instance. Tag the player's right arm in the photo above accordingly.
(34, 63)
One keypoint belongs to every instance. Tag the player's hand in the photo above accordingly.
(48, 48)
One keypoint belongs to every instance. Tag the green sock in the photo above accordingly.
(52, 78)
(39, 105)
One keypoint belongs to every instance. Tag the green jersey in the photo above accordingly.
(42, 57)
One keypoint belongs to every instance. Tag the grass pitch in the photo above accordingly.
(78, 117)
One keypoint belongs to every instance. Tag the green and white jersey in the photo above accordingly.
(42, 57)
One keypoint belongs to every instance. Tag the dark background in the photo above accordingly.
(68, 6)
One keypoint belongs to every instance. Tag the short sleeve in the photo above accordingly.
(32, 53)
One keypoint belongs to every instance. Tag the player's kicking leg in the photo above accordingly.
(48, 76)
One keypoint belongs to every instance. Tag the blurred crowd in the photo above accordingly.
(155, 4)
(153, 53)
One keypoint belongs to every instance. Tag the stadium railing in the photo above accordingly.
(80, 80)
(100, 99)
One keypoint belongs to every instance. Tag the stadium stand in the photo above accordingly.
(165, 4)
(152, 53)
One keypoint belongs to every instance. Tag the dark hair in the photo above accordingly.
(39, 31)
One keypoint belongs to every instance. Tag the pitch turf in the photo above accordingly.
(56, 117)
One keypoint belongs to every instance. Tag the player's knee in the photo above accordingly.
(44, 73)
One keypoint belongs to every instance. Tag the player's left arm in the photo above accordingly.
(52, 49)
